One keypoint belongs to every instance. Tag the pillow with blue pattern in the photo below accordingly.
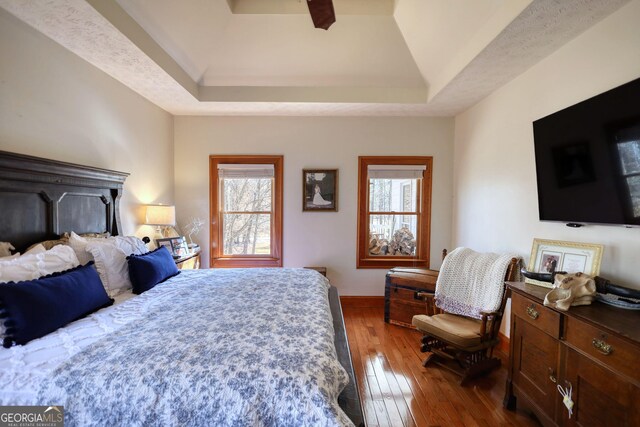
(34, 308)
(147, 270)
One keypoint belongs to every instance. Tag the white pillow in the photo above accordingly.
(34, 250)
(37, 249)
(32, 266)
(79, 246)
(110, 256)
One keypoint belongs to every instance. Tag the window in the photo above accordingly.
(629, 155)
(246, 211)
(394, 207)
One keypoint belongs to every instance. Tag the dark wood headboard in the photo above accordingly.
(40, 199)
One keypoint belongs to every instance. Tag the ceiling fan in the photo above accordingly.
(322, 13)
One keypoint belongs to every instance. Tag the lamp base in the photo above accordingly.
(159, 234)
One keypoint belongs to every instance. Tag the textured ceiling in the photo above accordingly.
(196, 57)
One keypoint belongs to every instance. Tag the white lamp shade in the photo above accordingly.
(160, 215)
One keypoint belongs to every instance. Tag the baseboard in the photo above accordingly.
(503, 347)
(362, 301)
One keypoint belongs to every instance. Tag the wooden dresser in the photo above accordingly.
(402, 286)
(594, 349)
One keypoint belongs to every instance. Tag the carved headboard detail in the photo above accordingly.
(40, 199)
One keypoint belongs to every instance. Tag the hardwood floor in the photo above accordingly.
(396, 390)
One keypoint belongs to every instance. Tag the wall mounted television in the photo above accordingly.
(588, 160)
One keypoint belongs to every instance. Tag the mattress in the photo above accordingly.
(273, 326)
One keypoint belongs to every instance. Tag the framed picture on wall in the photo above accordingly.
(320, 190)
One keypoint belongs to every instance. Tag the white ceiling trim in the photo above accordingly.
(355, 95)
(342, 7)
(293, 109)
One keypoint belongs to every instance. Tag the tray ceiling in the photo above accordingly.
(226, 57)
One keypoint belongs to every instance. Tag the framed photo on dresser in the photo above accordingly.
(164, 242)
(176, 245)
(549, 256)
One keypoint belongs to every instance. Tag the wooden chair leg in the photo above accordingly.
(428, 359)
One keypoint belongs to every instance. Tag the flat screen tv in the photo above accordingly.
(588, 160)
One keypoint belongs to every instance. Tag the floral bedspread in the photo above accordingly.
(235, 347)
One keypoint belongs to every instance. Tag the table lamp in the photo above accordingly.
(162, 216)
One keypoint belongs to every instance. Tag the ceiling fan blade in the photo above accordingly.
(322, 13)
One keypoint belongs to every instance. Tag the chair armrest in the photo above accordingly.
(486, 317)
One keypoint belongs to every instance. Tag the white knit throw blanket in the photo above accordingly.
(470, 282)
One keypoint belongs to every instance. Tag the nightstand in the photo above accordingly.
(189, 262)
(321, 270)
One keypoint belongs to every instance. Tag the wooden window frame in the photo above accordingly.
(217, 258)
(421, 259)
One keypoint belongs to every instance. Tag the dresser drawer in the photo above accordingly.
(618, 354)
(536, 314)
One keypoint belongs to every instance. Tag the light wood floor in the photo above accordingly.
(396, 390)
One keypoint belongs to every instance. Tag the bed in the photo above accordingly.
(206, 347)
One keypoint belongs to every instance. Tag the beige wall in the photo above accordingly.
(313, 238)
(55, 105)
(495, 192)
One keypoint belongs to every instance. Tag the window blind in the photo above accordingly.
(236, 170)
(396, 171)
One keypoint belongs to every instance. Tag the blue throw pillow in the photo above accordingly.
(34, 308)
(147, 270)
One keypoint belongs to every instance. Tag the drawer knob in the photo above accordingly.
(602, 346)
(552, 376)
(532, 312)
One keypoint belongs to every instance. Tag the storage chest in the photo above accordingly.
(402, 286)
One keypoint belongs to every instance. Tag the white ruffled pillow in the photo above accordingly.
(37, 249)
(79, 245)
(34, 265)
(110, 256)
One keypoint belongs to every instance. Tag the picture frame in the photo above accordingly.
(177, 246)
(320, 190)
(548, 256)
